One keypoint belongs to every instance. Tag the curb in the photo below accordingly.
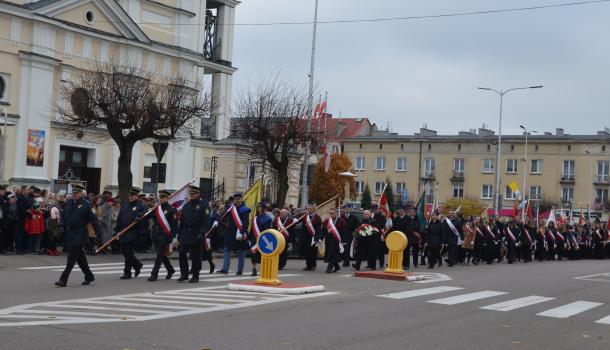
(275, 290)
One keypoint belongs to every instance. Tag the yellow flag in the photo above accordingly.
(514, 187)
(251, 198)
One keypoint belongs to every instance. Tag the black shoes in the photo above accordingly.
(60, 284)
(170, 274)
(137, 270)
(212, 267)
(238, 273)
(222, 272)
(194, 279)
(254, 273)
(125, 277)
(88, 281)
(152, 278)
(356, 267)
(182, 279)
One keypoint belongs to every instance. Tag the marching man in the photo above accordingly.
(312, 224)
(334, 228)
(164, 229)
(260, 223)
(281, 223)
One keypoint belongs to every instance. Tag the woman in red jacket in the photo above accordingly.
(34, 228)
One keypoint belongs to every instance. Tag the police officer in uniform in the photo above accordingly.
(130, 212)
(161, 238)
(193, 226)
(77, 215)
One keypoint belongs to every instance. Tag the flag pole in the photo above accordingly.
(123, 231)
(302, 216)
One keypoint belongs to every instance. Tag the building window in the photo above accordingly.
(486, 192)
(567, 172)
(401, 164)
(89, 17)
(429, 146)
(536, 148)
(402, 146)
(381, 146)
(400, 187)
(359, 186)
(488, 166)
(602, 195)
(458, 165)
(459, 147)
(4, 88)
(536, 167)
(569, 147)
(429, 167)
(488, 148)
(380, 163)
(379, 185)
(458, 191)
(535, 192)
(335, 149)
(511, 166)
(604, 148)
(360, 146)
(567, 194)
(512, 148)
(359, 163)
(602, 171)
(509, 194)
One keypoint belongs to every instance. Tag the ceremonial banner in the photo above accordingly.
(251, 198)
(35, 148)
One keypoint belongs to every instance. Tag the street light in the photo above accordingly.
(590, 180)
(501, 93)
(525, 169)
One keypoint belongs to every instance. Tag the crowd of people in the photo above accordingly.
(34, 221)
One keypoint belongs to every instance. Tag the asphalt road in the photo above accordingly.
(357, 313)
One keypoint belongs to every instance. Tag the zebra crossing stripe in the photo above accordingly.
(464, 298)
(419, 292)
(517, 303)
(570, 310)
(63, 266)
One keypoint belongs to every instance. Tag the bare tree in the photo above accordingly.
(270, 119)
(132, 105)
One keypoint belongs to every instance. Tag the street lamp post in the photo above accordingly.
(525, 168)
(590, 180)
(501, 93)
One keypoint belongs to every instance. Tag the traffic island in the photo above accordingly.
(289, 288)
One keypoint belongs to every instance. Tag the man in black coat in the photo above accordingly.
(162, 235)
(131, 212)
(434, 239)
(379, 221)
(452, 238)
(76, 217)
(352, 224)
(194, 223)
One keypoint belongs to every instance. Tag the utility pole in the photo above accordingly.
(304, 187)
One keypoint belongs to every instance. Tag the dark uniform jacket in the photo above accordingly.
(158, 235)
(129, 213)
(263, 222)
(352, 223)
(230, 241)
(435, 234)
(77, 214)
(194, 223)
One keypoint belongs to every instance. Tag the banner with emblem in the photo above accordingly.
(252, 197)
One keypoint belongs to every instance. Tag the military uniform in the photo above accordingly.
(162, 238)
(311, 235)
(193, 226)
(77, 215)
(130, 212)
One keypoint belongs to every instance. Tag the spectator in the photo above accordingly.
(34, 227)
(105, 220)
(114, 214)
(53, 228)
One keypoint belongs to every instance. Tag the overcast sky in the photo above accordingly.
(413, 72)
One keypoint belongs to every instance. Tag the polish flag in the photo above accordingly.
(383, 203)
(178, 199)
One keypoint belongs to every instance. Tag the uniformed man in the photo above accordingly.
(434, 239)
(235, 238)
(162, 235)
(130, 212)
(76, 217)
(334, 228)
(312, 227)
(261, 222)
(285, 225)
(379, 221)
(194, 224)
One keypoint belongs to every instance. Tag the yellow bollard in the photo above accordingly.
(270, 244)
(396, 242)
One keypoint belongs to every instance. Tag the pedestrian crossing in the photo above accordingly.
(571, 309)
(140, 306)
(103, 269)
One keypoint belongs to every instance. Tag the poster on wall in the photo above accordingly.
(35, 149)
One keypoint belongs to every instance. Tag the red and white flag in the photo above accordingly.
(383, 203)
(162, 220)
(178, 199)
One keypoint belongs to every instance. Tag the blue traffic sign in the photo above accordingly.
(267, 243)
